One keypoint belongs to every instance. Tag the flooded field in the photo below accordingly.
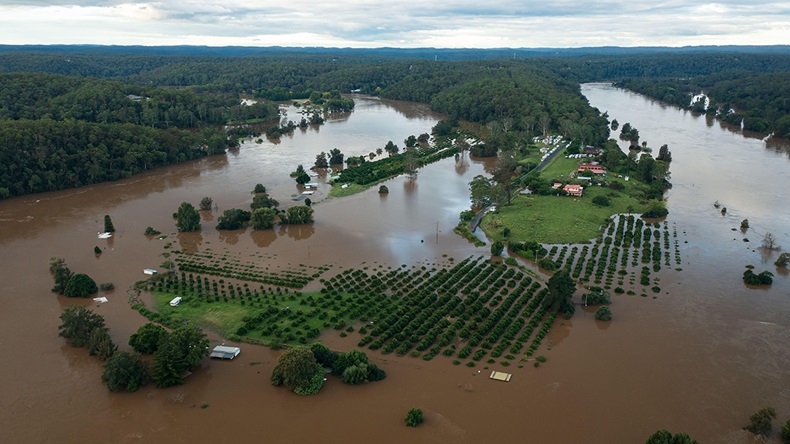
(699, 358)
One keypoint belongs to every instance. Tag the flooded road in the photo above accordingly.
(699, 358)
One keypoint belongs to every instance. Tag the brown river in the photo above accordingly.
(699, 358)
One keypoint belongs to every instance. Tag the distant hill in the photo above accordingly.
(408, 53)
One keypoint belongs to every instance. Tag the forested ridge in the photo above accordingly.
(61, 132)
(515, 98)
(759, 101)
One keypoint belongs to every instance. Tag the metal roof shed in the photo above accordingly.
(223, 352)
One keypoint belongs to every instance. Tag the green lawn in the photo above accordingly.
(226, 317)
(352, 188)
(557, 219)
(560, 167)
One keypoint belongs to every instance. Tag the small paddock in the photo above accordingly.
(500, 376)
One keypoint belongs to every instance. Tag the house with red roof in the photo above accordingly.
(592, 168)
(573, 190)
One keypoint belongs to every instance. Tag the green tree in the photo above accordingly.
(355, 374)
(601, 201)
(348, 359)
(263, 201)
(786, 432)
(604, 313)
(414, 417)
(60, 273)
(335, 157)
(561, 288)
(126, 371)
(100, 344)
(760, 421)
(259, 188)
(187, 218)
(80, 286)
(496, 248)
(300, 175)
(383, 189)
(297, 215)
(147, 337)
(169, 363)
(783, 260)
(321, 160)
(506, 169)
(298, 370)
(263, 218)
(77, 324)
(323, 355)
(410, 163)
(96, 250)
(108, 226)
(665, 437)
(233, 219)
(206, 203)
(483, 191)
(655, 208)
(410, 141)
(192, 343)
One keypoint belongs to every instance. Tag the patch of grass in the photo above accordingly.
(556, 219)
(352, 188)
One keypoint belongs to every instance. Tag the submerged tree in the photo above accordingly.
(187, 218)
(298, 370)
(206, 203)
(664, 437)
(108, 226)
(760, 421)
(769, 242)
(100, 344)
(263, 218)
(126, 371)
(146, 339)
(414, 417)
(60, 273)
(80, 286)
(77, 325)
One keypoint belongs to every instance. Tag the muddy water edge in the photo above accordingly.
(699, 358)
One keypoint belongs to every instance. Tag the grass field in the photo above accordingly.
(557, 219)
(352, 188)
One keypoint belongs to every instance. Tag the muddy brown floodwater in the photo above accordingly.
(699, 358)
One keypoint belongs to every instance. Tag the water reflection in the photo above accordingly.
(230, 237)
(190, 242)
(263, 238)
(298, 232)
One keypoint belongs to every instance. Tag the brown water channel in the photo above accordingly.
(700, 358)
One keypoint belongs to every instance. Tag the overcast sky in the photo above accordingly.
(407, 24)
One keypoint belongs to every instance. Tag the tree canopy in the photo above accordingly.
(126, 371)
(80, 285)
(298, 370)
(77, 324)
(187, 218)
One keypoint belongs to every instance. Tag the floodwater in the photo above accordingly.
(698, 358)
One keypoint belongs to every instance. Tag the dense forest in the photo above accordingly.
(758, 101)
(152, 94)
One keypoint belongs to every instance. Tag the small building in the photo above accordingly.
(500, 376)
(573, 190)
(591, 150)
(223, 352)
(592, 168)
(175, 301)
(311, 185)
(556, 185)
(149, 271)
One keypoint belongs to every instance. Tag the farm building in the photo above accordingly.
(223, 352)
